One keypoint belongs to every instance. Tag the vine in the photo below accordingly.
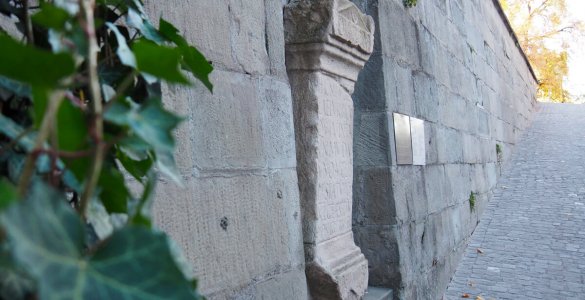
(80, 109)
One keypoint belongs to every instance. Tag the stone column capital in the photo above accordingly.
(333, 36)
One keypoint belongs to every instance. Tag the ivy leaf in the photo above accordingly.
(137, 168)
(124, 53)
(47, 237)
(114, 194)
(51, 16)
(152, 123)
(193, 60)
(165, 162)
(137, 20)
(34, 66)
(159, 61)
(71, 127)
(140, 210)
(8, 194)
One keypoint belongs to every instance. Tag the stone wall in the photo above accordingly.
(240, 218)
(237, 218)
(455, 65)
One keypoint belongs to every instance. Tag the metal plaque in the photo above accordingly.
(402, 139)
(417, 133)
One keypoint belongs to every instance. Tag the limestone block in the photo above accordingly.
(398, 87)
(277, 124)
(395, 17)
(449, 145)
(459, 183)
(457, 15)
(431, 137)
(409, 193)
(369, 94)
(240, 24)
(435, 188)
(234, 229)
(227, 125)
(275, 38)
(426, 95)
(201, 26)
(373, 200)
(378, 243)
(372, 140)
(471, 149)
(248, 43)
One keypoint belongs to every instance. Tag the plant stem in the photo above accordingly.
(28, 23)
(87, 7)
(55, 100)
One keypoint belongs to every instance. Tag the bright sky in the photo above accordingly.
(576, 79)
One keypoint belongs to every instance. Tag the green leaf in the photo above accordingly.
(47, 238)
(137, 168)
(114, 194)
(71, 127)
(51, 16)
(152, 123)
(140, 210)
(34, 66)
(159, 61)
(124, 53)
(195, 62)
(138, 20)
(165, 162)
(8, 194)
(192, 59)
(41, 100)
(135, 148)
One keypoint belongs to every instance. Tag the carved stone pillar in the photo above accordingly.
(327, 44)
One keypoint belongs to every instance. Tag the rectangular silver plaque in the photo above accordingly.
(417, 133)
(402, 139)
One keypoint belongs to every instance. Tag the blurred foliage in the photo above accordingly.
(81, 114)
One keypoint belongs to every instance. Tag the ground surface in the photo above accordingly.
(532, 233)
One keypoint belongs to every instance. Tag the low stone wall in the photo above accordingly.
(455, 65)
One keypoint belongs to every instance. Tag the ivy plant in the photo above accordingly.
(81, 122)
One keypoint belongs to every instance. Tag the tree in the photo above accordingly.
(544, 29)
(80, 112)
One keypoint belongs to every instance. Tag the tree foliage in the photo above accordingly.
(544, 29)
(81, 112)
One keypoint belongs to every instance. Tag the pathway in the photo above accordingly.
(531, 237)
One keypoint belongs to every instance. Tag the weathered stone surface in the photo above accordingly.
(328, 42)
(238, 218)
(211, 220)
(455, 65)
